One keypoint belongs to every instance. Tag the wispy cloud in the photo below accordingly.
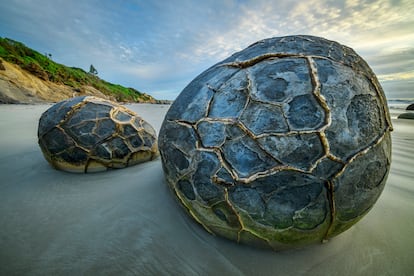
(159, 46)
(397, 76)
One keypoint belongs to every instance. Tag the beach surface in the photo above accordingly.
(126, 222)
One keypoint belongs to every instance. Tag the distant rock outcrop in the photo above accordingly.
(410, 107)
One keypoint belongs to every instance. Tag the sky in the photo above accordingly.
(158, 46)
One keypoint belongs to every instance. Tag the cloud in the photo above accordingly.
(398, 89)
(397, 76)
(161, 45)
(393, 61)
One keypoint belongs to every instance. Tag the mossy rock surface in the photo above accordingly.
(283, 144)
(407, 115)
(89, 134)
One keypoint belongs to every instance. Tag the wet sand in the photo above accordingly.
(125, 222)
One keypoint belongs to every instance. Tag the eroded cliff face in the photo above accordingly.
(20, 86)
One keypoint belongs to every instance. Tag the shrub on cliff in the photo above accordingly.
(43, 67)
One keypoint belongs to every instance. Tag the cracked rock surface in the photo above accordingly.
(283, 144)
(88, 134)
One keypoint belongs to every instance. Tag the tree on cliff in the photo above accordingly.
(92, 70)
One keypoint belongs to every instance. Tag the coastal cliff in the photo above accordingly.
(26, 76)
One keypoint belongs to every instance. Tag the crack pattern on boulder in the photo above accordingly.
(89, 134)
(283, 144)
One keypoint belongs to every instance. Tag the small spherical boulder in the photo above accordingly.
(407, 115)
(283, 144)
(89, 134)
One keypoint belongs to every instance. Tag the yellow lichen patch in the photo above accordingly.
(95, 166)
(140, 157)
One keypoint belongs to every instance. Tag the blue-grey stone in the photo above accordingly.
(282, 144)
(88, 134)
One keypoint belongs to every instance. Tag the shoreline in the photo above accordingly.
(159, 102)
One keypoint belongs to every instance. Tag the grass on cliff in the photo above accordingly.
(43, 67)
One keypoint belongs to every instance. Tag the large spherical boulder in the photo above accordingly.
(283, 144)
(89, 134)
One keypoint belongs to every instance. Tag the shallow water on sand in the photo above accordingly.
(126, 222)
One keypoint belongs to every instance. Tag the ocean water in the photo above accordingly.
(398, 106)
(399, 103)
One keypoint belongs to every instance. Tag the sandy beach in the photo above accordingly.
(126, 222)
